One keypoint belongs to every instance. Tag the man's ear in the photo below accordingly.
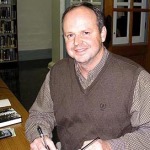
(103, 33)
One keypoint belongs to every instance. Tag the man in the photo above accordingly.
(94, 93)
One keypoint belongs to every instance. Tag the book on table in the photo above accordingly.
(8, 115)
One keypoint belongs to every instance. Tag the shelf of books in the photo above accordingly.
(8, 31)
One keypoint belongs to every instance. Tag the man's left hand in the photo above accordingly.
(97, 145)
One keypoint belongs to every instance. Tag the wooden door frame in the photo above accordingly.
(142, 50)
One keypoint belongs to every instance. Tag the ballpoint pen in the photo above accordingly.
(42, 136)
(90, 143)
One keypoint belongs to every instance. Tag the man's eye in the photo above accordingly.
(86, 33)
(69, 36)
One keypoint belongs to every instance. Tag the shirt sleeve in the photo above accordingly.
(140, 118)
(41, 113)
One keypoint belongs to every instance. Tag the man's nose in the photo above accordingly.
(77, 40)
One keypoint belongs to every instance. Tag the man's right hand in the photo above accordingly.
(38, 144)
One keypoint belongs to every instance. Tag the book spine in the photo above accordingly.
(9, 116)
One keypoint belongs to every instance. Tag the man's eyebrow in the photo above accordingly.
(65, 33)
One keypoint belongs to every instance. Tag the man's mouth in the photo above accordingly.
(80, 50)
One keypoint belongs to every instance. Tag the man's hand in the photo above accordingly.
(38, 144)
(97, 145)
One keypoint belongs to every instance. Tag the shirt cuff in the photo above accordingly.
(33, 134)
(117, 144)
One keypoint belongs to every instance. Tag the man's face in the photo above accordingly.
(82, 36)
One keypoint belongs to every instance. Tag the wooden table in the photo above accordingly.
(18, 142)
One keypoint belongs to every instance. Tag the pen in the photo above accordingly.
(42, 136)
(90, 143)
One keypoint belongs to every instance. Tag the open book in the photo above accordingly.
(8, 115)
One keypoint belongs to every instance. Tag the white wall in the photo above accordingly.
(34, 24)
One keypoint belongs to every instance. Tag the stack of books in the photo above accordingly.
(8, 116)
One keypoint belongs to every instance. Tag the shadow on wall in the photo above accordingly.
(108, 20)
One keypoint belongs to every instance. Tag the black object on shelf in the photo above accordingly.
(8, 31)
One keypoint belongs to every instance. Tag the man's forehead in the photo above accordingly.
(82, 10)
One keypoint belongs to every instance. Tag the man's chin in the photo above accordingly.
(81, 61)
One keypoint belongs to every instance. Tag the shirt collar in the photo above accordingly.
(93, 73)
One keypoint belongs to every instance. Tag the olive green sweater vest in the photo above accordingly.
(102, 110)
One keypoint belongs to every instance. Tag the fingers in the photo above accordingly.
(50, 144)
(92, 145)
(37, 147)
(37, 144)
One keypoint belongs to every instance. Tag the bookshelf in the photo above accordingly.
(9, 70)
(8, 31)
